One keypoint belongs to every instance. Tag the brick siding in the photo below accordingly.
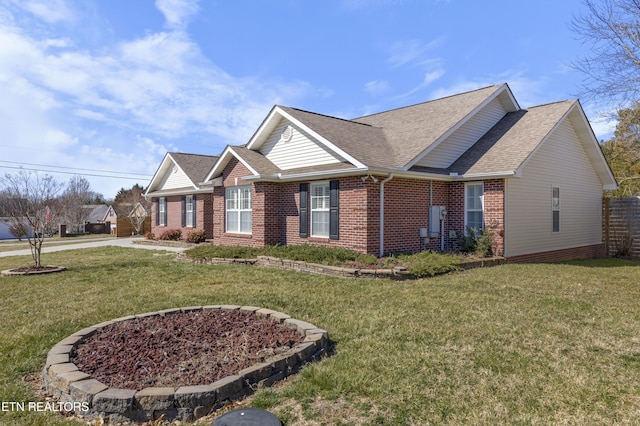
(204, 210)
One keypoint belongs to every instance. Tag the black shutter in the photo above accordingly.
(157, 211)
(334, 209)
(193, 211)
(304, 210)
(183, 211)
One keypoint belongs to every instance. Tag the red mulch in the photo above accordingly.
(180, 349)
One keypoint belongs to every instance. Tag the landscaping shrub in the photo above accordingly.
(196, 236)
(429, 263)
(477, 242)
(150, 235)
(171, 235)
(225, 252)
(334, 256)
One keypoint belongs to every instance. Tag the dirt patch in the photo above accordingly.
(180, 349)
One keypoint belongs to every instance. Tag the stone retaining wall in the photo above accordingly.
(398, 273)
(67, 383)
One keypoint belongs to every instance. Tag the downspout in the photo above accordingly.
(382, 213)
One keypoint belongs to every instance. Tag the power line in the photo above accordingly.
(73, 168)
(72, 173)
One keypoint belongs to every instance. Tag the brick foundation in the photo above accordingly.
(586, 252)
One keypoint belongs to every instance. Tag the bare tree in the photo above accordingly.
(77, 194)
(612, 66)
(30, 202)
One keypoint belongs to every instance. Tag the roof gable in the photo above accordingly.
(180, 171)
(411, 132)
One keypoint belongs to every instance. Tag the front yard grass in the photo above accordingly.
(512, 344)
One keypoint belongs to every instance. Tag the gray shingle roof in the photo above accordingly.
(511, 141)
(195, 166)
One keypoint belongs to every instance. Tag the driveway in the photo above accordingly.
(120, 242)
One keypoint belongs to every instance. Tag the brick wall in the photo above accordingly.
(585, 252)
(204, 208)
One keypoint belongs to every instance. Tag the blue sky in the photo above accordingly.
(104, 88)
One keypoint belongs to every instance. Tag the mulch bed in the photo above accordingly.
(180, 349)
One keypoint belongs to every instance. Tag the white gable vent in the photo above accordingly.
(287, 134)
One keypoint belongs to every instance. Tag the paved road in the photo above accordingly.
(121, 242)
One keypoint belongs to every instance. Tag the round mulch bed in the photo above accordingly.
(180, 349)
(32, 270)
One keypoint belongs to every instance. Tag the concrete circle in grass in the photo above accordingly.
(247, 417)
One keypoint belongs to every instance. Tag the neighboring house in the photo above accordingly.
(101, 213)
(417, 178)
(180, 199)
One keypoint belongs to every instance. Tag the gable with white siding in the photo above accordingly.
(289, 147)
(450, 149)
(563, 162)
(174, 178)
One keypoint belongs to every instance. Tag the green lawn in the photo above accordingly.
(513, 344)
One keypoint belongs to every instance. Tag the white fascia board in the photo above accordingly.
(163, 169)
(594, 147)
(264, 130)
(178, 191)
(226, 155)
(460, 124)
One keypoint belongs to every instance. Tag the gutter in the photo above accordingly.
(382, 213)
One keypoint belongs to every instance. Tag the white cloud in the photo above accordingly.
(376, 87)
(50, 11)
(177, 12)
(413, 52)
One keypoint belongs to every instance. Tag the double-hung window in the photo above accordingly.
(162, 212)
(320, 209)
(473, 206)
(238, 209)
(188, 211)
(555, 209)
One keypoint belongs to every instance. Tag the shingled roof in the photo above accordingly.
(195, 166)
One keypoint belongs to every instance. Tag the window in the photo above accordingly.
(188, 211)
(162, 212)
(555, 209)
(238, 203)
(320, 209)
(473, 206)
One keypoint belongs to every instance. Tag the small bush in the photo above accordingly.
(429, 263)
(334, 256)
(150, 235)
(225, 252)
(196, 236)
(477, 241)
(171, 235)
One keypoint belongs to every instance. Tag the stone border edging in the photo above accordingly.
(52, 269)
(67, 383)
(397, 273)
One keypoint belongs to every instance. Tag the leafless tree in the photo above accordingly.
(30, 202)
(611, 28)
(76, 195)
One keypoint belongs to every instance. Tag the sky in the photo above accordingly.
(105, 88)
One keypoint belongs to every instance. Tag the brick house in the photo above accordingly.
(179, 199)
(417, 178)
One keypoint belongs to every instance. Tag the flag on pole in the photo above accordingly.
(47, 214)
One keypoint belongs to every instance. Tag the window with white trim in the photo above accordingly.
(320, 209)
(473, 206)
(555, 209)
(188, 209)
(238, 209)
(162, 216)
